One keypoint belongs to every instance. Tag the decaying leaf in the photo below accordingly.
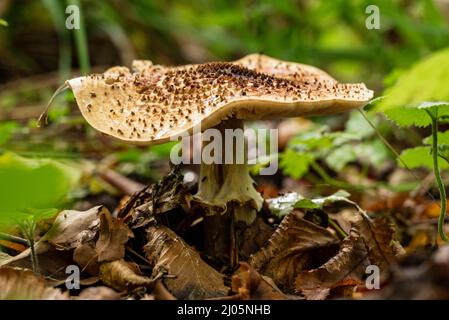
(161, 197)
(252, 237)
(370, 242)
(121, 276)
(348, 264)
(52, 264)
(194, 278)
(379, 238)
(295, 246)
(249, 284)
(20, 284)
(71, 228)
(4, 256)
(113, 236)
(337, 206)
(86, 258)
(160, 292)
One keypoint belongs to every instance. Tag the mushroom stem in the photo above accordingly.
(226, 192)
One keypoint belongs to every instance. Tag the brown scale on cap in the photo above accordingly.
(173, 100)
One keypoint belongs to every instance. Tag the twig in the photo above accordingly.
(8, 237)
(124, 184)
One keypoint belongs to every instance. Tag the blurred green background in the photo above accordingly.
(329, 34)
(37, 53)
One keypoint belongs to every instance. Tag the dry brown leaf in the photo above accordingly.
(249, 284)
(20, 284)
(160, 292)
(52, 264)
(292, 248)
(379, 238)
(113, 236)
(85, 257)
(194, 278)
(71, 228)
(253, 237)
(370, 242)
(161, 197)
(122, 276)
(348, 264)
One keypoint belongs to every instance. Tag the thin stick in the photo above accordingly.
(11, 238)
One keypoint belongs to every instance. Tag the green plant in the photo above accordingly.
(30, 190)
(27, 224)
(283, 205)
(423, 115)
(310, 150)
(426, 80)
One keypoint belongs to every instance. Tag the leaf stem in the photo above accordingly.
(337, 228)
(436, 170)
(28, 228)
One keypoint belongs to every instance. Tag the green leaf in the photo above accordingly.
(339, 196)
(35, 214)
(42, 214)
(342, 137)
(283, 205)
(31, 186)
(3, 23)
(425, 81)
(443, 151)
(295, 164)
(417, 115)
(317, 139)
(320, 142)
(163, 150)
(306, 204)
(340, 157)
(372, 152)
(358, 125)
(443, 138)
(406, 117)
(130, 155)
(420, 157)
(7, 129)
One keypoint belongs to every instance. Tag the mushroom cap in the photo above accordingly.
(154, 103)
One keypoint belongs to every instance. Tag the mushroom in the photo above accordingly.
(154, 104)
